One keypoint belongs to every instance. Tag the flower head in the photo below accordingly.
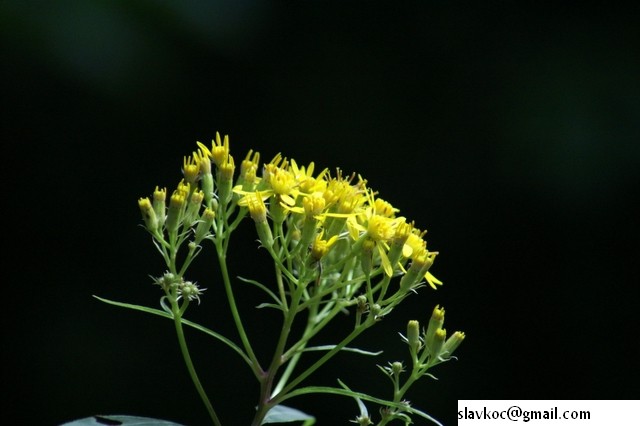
(321, 247)
(191, 169)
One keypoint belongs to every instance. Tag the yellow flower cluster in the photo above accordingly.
(320, 210)
(305, 218)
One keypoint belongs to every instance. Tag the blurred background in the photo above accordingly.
(509, 130)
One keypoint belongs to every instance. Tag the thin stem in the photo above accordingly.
(302, 343)
(315, 328)
(257, 370)
(355, 333)
(266, 402)
(189, 363)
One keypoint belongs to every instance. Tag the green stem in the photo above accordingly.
(295, 382)
(302, 343)
(257, 370)
(315, 328)
(266, 402)
(187, 359)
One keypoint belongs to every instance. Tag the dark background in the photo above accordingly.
(509, 131)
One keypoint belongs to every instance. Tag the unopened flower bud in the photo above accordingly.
(452, 343)
(413, 336)
(160, 204)
(437, 343)
(397, 368)
(204, 225)
(148, 214)
(177, 205)
(193, 207)
(435, 323)
(375, 310)
(190, 291)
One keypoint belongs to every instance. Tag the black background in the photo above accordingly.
(509, 131)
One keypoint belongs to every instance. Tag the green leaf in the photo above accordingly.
(346, 392)
(346, 349)
(269, 305)
(282, 414)
(116, 420)
(184, 321)
(363, 408)
(262, 287)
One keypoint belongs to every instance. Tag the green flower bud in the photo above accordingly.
(452, 343)
(411, 277)
(206, 183)
(413, 336)
(193, 207)
(190, 291)
(375, 310)
(177, 205)
(397, 368)
(148, 214)
(264, 233)
(366, 255)
(437, 343)
(204, 226)
(225, 179)
(435, 323)
(160, 204)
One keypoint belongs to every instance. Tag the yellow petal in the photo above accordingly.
(386, 264)
(432, 280)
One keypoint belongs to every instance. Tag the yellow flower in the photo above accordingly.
(321, 247)
(383, 208)
(381, 228)
(305, 179)
(219, 149)
(283, 184)
(414, 243)
(313, 205)
(227, 168)
(184, 188)
(249, 170)
(160, 194)
(343, 197)
(191, 169)
(202, 160)
(424, 259)
(375, 227)
(254, 201)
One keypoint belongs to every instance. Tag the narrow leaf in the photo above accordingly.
(363, 409)
(197, 326)
(363, 396)
(347, 349)
(269, 305)
(262, 287)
